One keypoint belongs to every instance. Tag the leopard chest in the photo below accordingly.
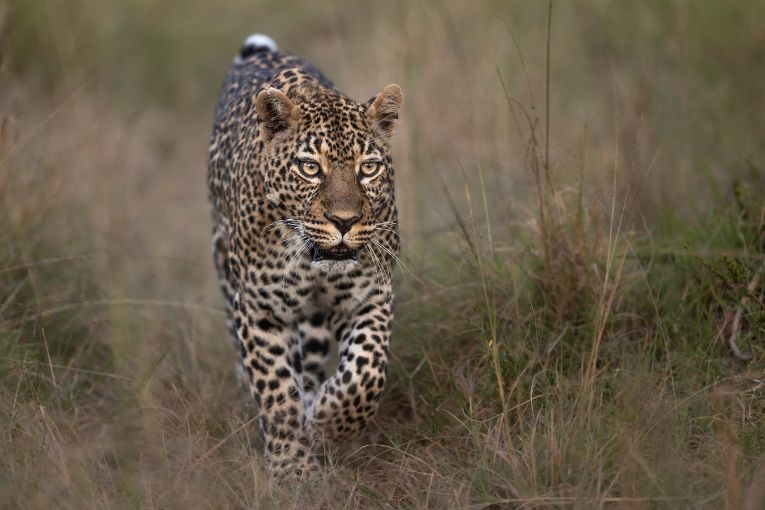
(283, 277)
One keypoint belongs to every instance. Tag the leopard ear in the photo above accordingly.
(276, 112)
(383, 108)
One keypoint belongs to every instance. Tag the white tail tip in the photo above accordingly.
(258, 41)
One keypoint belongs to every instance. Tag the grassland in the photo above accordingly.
(581, 312)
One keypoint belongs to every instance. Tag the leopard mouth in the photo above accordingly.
(339, 252)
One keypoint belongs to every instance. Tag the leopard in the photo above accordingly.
(305, 241)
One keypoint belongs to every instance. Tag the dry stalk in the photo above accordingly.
(735, 329)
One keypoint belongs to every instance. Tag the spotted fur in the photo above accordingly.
(304, 240)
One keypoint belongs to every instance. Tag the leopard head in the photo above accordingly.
(328, 165)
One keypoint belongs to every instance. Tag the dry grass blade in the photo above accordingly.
(580, 185)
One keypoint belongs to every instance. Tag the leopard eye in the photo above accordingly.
(309, 168)
(370, 168)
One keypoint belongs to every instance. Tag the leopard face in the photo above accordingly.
(328, 165)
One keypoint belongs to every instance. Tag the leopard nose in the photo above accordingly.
(343, 220)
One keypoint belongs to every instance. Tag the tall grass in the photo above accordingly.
(582, 322)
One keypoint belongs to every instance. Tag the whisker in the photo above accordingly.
(378, 267)
(403, 241)
(297, 254)
(288, 222)
(383, 244)
(372, 259)
(283, 240)
(391, 231)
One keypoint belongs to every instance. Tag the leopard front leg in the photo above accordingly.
(349, 399)
(274, 382)
(314, 336)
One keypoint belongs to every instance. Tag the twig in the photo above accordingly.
(736, 327)
(547, 95)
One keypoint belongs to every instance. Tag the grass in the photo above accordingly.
(582, 321)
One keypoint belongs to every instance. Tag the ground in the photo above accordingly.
(572, 267)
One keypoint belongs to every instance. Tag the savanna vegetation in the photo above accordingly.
(580, 315)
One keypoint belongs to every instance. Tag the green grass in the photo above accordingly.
(563, 334)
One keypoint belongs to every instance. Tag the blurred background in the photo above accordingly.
(580, 186)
